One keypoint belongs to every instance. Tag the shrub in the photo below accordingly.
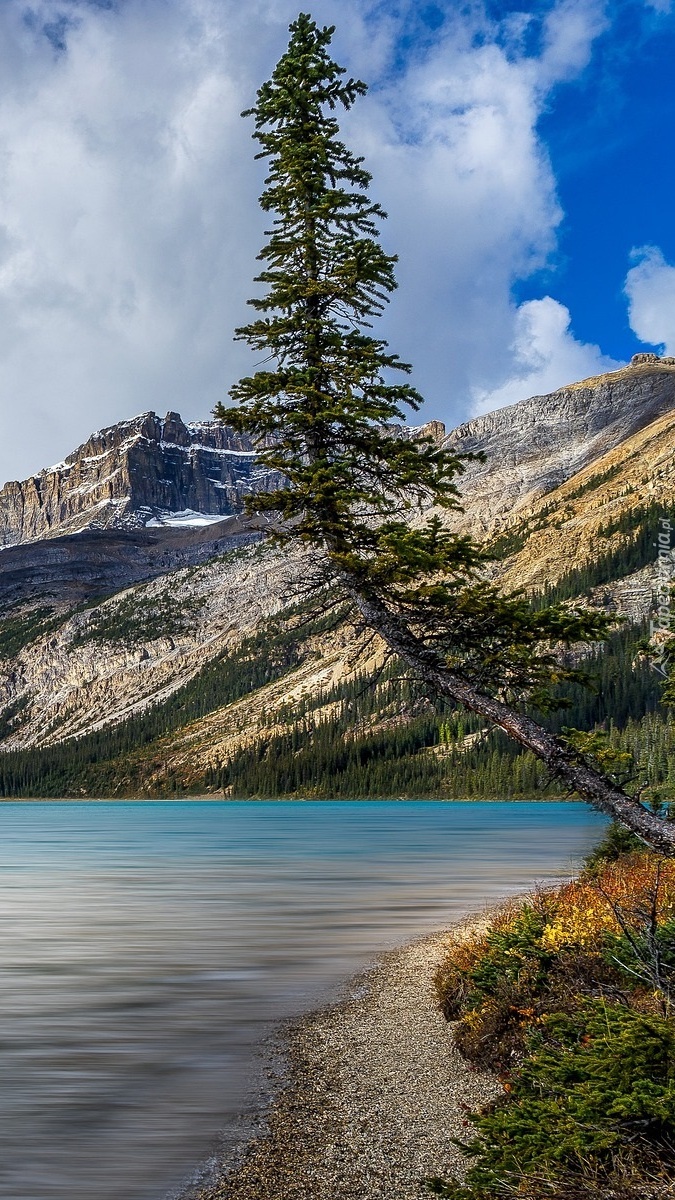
(596, 1093)
(498, 986)
(474, 967)
(594, 906)
(644, 955)
(569, 996)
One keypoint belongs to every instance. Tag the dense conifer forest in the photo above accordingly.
(382, 739)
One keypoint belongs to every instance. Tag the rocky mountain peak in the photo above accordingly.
(149, 470)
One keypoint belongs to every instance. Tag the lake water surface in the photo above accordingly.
(146, 947)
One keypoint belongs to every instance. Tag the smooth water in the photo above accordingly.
(145, 947)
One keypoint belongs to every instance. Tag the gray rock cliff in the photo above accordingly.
(535, 445)
(149, 470)
(134, 472)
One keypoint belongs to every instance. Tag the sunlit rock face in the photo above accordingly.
(144, 471)
(535, 445)
(164, 471)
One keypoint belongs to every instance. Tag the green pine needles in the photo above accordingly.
(320, 415)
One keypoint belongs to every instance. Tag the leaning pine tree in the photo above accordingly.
(322, 418)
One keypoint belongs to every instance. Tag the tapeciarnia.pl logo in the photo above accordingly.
(662, 623)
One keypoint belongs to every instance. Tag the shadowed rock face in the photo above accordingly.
(133, 472)
(97, 562)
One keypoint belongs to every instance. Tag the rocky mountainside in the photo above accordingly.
(593, 520)
(163, 472)
(535, 445)
(71, 570)
(147, 471)
(567, 495)
(82, 669)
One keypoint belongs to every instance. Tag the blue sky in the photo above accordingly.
(523, 152)
(608, 133)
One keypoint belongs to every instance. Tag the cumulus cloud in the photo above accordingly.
(124, 164)
(128, 216)
(650, 288)
(546, 356)
(470, 192)
(570, 30)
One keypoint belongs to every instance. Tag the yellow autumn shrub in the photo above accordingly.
(583, 910)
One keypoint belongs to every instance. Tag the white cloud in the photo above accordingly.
(128, 216)
(546, 356)
(650, 288)
(570, 31)
(471, 196)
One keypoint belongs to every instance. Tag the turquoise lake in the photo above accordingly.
(147, 949)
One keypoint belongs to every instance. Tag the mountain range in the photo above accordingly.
(146, 624)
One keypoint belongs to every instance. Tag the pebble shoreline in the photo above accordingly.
(374, 1092)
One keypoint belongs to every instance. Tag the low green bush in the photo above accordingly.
(497, 997)
(512, 953)
(595, 1098)
(508, 952)
(493, 996)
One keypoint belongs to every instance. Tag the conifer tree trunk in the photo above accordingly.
(563, 761)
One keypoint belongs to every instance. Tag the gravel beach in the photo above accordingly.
(374, 1092)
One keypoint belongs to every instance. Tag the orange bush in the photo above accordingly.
(581, 911)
